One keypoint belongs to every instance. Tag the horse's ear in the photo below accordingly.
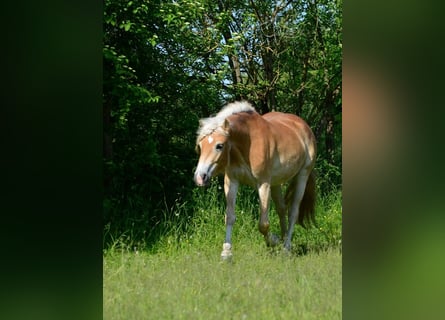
(226, 126)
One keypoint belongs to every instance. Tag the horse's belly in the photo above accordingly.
(282, 171)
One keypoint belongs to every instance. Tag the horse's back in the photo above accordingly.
(292, 140)
(288, 127)
(286, 121)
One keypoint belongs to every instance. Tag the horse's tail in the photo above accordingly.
(307, 204)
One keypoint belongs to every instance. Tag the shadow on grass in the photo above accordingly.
(301, 250)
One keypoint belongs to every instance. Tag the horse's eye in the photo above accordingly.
(219, 146)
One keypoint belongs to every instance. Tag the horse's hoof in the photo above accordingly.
(226, 254)
(226, 258)
(286, 250)
(272, 240)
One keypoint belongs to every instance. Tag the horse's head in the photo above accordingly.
(213, 149)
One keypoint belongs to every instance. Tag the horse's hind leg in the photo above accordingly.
(298, 194)
(278, 199)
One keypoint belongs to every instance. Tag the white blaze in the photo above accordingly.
(210, 139)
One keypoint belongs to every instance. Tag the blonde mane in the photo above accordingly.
(209, 125)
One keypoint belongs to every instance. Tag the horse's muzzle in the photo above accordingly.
(202, 179)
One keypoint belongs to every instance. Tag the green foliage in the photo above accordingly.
(189, 225)
(328, 177)
(166, 64)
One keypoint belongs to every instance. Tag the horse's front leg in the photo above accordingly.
(230, 190)
(264, 194)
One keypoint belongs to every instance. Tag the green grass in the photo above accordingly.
(197, 285)
(183, 277)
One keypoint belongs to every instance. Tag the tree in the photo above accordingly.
(169, 63)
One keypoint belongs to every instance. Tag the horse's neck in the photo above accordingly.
(236, 158)
(239, 163)
(238, 167)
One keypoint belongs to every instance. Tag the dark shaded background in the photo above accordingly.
(51, 194)
(393, 208)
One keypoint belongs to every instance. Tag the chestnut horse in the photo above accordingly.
(264, 152)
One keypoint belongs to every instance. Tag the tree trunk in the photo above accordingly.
(233, 58)
(270, 89)
(267, 55)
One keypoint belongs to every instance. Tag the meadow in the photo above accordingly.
(181, 276)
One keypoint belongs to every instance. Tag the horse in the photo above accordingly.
(263, 151)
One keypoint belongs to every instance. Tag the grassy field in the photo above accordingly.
(183, 277)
